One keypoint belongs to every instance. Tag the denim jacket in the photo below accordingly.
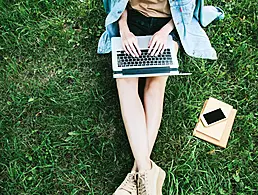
(189, 17)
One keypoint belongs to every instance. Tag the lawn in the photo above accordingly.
(61, 130)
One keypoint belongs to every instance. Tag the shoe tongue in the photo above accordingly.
(142, 175)
(143, 172)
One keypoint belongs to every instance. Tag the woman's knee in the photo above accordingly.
(156, 85)
(127, 84)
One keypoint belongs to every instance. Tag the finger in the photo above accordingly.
(163, 49)
(155, 49)
(136, 45)
(125, 49)
(132, 47)
(159, 49)
(153, 42)
(129, 50)
(150, 41)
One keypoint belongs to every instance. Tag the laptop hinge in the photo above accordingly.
(151, 70)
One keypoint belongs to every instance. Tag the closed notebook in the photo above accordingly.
(215, 131)
(224, 139)
(226, 132)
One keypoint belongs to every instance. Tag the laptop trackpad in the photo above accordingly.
(151, 70)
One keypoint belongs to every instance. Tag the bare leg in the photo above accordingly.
(134, 121)
(153, 104)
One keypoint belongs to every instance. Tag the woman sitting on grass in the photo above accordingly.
(142, 118)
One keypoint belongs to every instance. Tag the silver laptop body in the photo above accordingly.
(125, 65)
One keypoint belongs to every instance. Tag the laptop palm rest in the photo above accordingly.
(133, 71)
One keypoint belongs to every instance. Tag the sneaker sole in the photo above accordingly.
(160, 181)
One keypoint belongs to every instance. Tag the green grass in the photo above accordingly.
(61, 130)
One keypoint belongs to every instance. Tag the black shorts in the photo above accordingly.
(141, 25)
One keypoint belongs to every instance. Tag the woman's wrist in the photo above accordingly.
(122, 23)
(168, 27)
(123, 27)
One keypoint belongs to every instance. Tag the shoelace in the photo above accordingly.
(128, 184)
(141, 187)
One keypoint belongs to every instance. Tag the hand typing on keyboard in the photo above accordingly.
(129, 40)
(158, 41)
(130, 44)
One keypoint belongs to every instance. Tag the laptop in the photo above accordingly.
(126, 66)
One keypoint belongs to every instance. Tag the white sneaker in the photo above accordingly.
(150, 182)
(128, 186)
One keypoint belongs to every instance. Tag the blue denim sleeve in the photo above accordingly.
(207, 14)
(106, 4)
(109, 4)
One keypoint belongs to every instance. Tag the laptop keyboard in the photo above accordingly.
(145, 59)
